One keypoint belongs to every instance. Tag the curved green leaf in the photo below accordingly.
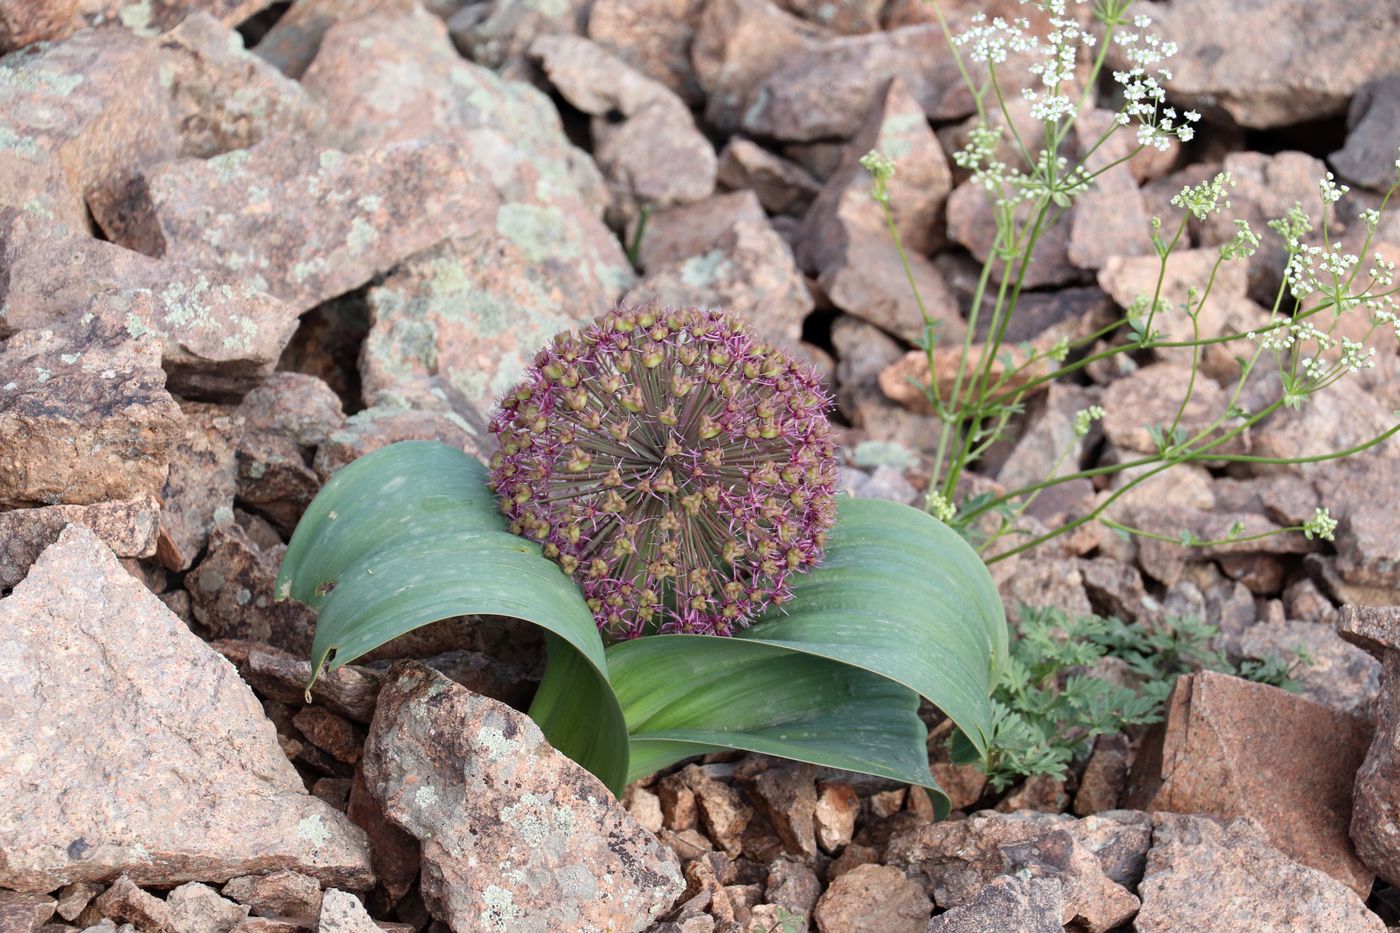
(900, 595)
(410, 534)
(685, 695)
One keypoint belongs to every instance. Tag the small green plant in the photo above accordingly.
(1047, 706)
(663, 505)
(1300, 349)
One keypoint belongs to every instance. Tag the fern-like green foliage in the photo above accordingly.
(1047, 708)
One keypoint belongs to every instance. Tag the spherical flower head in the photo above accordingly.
(678, 468)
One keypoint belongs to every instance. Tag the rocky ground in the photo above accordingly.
(243, 243)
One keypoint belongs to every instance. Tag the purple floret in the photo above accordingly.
(678, 468)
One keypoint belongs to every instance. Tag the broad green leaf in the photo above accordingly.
(410, 534)
(901, 595)
(685, 695)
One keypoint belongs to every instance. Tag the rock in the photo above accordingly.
(1201, 875)
(24, 912)
(126, 903)
(691, 230)
(1105, 775)
(84, 417)
(644, 138)
(1151, 397)
(722, 810)
(24, 23)
(199, 491)
(396, 855)
(782, 187)
(394, 418)
(1351, 40)
(1049, 446)
(79, 116)
(738, 44)
(787, 795)
(219, 336)
(793, 887)
(277, 894)
(224, 97)
(74, 898)
(1334, 674)
(1368, 539)
(652, 36)
(128, 528)
(1012, 903)
(972, 223)
(349, 691)
(472, 311)
(439, 758)
(1044, 581)
(198, 908)
(835, 815)
(821, 92)
(416, 87)
(1375, 821)
(497, 34)
(845, 240)
(1368, 158)
(1132, 280)
(873, 899)
(958, 859)
(200, 791)
(343, 913)
(285, 419)
(246, 212)
(292, 42)
(1231, 748)
(1110, 219)
(748, 271)
(1119, 839)
(232, 594)
(330, 733)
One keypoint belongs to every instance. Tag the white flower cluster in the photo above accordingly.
(1084, 419)
(1321, 525)
(1209, 197)
(1144, 91)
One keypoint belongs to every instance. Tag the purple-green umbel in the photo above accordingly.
(677, 467)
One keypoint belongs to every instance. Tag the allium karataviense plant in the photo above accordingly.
(677, 468)
(683, 474)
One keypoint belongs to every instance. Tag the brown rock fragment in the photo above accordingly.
(787, 794)
(126, 903)
(128, 528)
(349, 691)
(439, 755)
(723, 811)
(653, 36)
(200, 487)
(873, 899)
(277, 894)
(958, 859)
(782, 187)
(232, 594)
(84, 418)
(1375, 821)
(24, 22)
(1008, 903)
(835, 815)
(201, 791)
(330, 733)
(1201, 875)
(24, 912)
(74, 898)
(1231, 748)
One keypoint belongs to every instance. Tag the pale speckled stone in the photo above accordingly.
(128, 745)
(472, 311)
(219, 336)
(300, 221)
(476, 782)
(343, 913)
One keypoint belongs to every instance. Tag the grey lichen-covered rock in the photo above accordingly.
(219, 336)
(1229, 879)
(128, 746)
(76, 118)
(300, 221)
(1008, 903)
(128, 527)
(224, 97)
(343, 913)
(515, 835)
(472, 311)
(84, 417)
